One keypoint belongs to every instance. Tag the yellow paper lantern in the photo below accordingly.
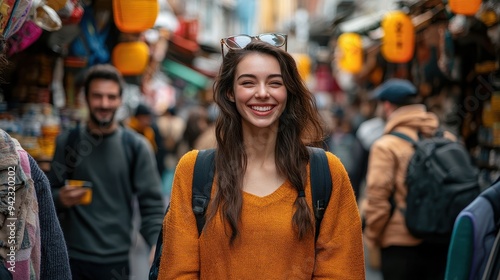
(350, 52)
(398, 43)
(131, 58)
(132, 16)
(303, 62)
(465, 7)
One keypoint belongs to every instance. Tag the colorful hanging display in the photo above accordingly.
(132, 16)
(465, 7)
(398, 43)
(131, 58)
(350, 52)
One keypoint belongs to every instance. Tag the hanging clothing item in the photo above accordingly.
(27, 35)
(92, 40)
(12, 16)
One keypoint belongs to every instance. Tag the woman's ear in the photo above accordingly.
(230, 96)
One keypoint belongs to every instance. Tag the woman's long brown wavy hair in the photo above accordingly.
(299, 125)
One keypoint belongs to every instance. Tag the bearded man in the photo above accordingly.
(113, 164)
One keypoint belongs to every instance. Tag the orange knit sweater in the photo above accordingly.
(267, 247)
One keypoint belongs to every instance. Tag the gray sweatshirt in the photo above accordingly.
(101, 231)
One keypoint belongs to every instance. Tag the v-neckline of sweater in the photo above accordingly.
(280, 192)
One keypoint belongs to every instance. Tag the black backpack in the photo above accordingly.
(441, 181)
(321, 185)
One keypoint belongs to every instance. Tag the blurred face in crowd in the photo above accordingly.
(144, 120)
(260, 94)
(103, 101)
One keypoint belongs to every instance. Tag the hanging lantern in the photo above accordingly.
(465, 7)
(349, 54)
(131, 58)
(132, 16)
(398, 43)
(303, 62)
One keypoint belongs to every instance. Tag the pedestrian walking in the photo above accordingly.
(114, 164)
(403, 256)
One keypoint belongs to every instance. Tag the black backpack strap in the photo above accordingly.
(71, 142)
(321, 184)
(202, 185)
(203, 175)
(131, 146)
(439, 132)
(154, 270)
(492, 269)
(402, 136)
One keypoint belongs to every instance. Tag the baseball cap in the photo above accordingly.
(394, 90)
(143, 109)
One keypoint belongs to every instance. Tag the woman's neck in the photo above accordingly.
(260, 145)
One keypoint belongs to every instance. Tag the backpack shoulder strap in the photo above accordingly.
(71, 142)
(402, 136)
(321, 184)
(492, 269)
(131, 146)
(202, 185)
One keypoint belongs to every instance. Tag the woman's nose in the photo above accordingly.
(262, 92)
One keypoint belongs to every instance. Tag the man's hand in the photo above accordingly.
(71, 196)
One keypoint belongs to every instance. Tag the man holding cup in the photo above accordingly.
(117, 164)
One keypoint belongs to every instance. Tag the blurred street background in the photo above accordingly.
(170, 52)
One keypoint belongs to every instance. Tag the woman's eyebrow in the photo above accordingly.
(254, 77)
(246, 76)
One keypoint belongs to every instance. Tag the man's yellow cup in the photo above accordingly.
(87, 198)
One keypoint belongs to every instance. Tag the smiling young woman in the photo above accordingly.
(259, 222)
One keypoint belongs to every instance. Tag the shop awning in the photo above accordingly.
(362, 24)
(191, 76)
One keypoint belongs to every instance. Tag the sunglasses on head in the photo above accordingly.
(240, 41)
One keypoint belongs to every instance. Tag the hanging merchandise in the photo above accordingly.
(133, 16)
(398, 43)
(449, 63)
(350, 52)
(44, 16)
(56, 4)
(91, 43)
(71, 13)
(26, 36)
(159, 94)
(13, 14)
(465, 7)
(57, 85)
(131, 58)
